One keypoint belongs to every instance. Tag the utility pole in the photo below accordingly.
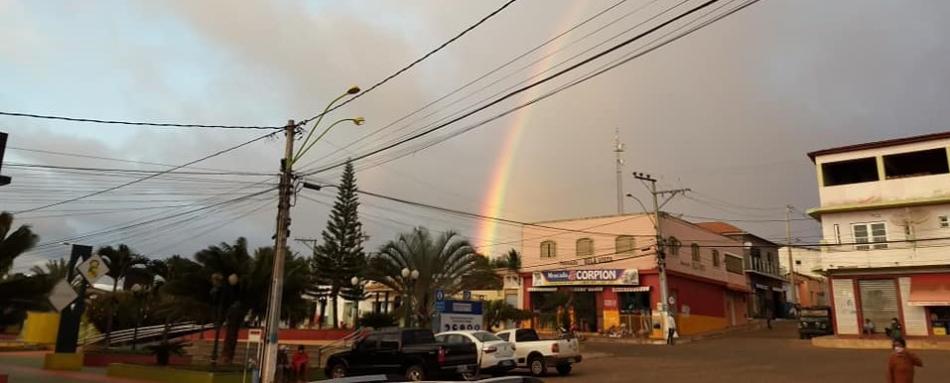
(660, 250)
(272, 322)
(618, 149)
(788, 246)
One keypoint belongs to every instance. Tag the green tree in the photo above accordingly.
(55, 269)
(18, 292)
(511, 261)
(446, 262)
(14, 243)
(340, 256)
(498, 311)
(120, 261)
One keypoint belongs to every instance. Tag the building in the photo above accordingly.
(812, 286)
(761, 265)
(606, 268)
(884, 209)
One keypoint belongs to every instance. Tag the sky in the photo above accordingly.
(729, 111)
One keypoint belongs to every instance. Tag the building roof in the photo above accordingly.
(879, 144)
(720, 228)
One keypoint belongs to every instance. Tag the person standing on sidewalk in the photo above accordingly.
(900, 366)
(671, 331)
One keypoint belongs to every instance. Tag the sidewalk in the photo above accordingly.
(752, 325)
(881, 342)
(27, 366)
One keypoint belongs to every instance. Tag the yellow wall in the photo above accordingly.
(40, 327)
(698, 324)
(611, 318)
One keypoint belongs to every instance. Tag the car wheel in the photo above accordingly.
(337, 371)
(537, 367)
(469, 376)
(415, 373)
(564, 369)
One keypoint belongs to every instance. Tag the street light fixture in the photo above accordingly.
(410, 277)
(355, 281)
(137, 293)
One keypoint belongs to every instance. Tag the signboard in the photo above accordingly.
(467, 295)
(439, 295)
(62, 295)
(93, 268)
(462, 307)
(254, 335)
(587, 277)
(638, 289)
(459, 322)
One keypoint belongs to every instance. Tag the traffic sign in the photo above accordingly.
(439, 295)
(62, 295)
(93, 268)
(254, 335)
(466, 295)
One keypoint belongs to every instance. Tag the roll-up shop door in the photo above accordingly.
(879, 301)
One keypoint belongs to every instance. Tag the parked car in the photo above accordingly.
(537, 355)
(411, 353)
(496, 355)
(814, 321)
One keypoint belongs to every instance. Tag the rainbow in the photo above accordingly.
(493, 205)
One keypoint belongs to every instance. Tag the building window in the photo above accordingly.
(916, 164)
(837, 234)
(869, 235)
(585, 247)
(756, 258)
(548, 249)
(675, 245)
(625, 245)
(715, 257)
(733, 264)
(694, 250)
(944, 221)
(849, 172)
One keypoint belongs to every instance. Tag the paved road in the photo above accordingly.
(774, 356)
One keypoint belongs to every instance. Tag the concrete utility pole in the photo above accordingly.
(618, 149)
(660, 250)
(272, 322)
(788, 246)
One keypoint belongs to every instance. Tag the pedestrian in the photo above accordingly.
(900, 366)
(895, 331)
(671, 329)
(283, 365)
(769, 315)
(300, 363)
(868, 328)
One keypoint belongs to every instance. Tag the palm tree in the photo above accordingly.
(119, 261)
(12, 244)
(447, 262)
(55, 269)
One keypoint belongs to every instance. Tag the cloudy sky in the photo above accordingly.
(728, 111)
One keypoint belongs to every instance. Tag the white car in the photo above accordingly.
(496, 356)
(537, 355)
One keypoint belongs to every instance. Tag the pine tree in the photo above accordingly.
(340, 257)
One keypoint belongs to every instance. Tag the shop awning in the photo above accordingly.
(929, 290)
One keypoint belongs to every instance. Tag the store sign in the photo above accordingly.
(638, 289)
(460, 322)
(587, 277)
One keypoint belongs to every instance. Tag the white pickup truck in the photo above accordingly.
(537, 355)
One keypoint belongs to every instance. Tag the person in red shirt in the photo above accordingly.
(299, 363)
(900, 367)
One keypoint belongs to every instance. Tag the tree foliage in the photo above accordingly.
(497, 312)
(446, 262)
(340, 256)
(14, 243)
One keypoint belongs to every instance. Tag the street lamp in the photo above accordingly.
(138, 292)
(220, 295)
(410, 277)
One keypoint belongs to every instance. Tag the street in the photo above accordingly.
(759, 356)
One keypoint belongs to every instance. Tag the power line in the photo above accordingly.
(78, 155)
(95, 169)
(483, 76)
(133, 123)
(544, 80)
(412, 64)
(220, 152)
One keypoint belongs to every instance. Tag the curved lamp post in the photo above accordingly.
(410, 277)
(138, 292)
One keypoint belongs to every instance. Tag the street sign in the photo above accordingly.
(671, 300)
(466, 295)
(439, 295)
(62, 295)
(93, 268)
(254, 335)
(439, 306)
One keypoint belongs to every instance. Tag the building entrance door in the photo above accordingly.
(585, 311)
(878, 301)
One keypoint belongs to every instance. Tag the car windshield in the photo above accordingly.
(814, 313)
(483, 336)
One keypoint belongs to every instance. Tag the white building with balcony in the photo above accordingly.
(884, 210)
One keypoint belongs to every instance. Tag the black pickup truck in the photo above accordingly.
(411, 353)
